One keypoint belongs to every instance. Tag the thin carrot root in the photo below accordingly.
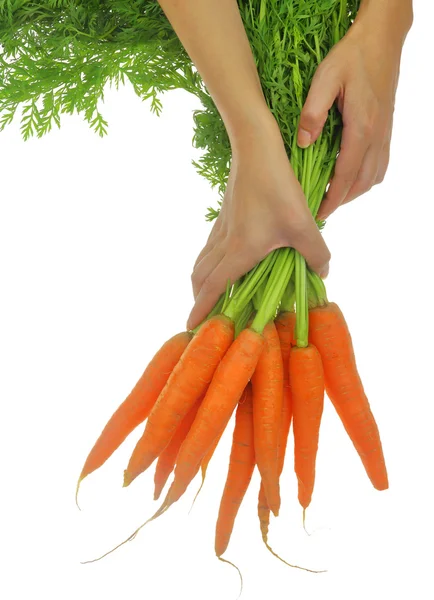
(239, 573)
(270, 549)
(304, 522)
(264, 516)
(198, 492)
(315, 530)
(204, 466)
(163, 508)
(76, 492)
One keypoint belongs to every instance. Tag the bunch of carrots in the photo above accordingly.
(195, 382)
(274, 344)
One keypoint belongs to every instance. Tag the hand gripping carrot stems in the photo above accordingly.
(273, 345)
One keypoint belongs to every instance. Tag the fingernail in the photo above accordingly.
(304, 138)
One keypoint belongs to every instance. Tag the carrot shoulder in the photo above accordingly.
(241, 467)
(329, 332)
(138, 404)
(187, 383)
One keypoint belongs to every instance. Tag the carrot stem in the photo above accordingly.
(302, 319)
(318, 286)
(288, 298)
(276, 285)
(243, 319)
(247, 290)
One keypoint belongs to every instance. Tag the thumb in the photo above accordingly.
(323, 92)
(311, 245)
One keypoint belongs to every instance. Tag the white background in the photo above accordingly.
(97, 242)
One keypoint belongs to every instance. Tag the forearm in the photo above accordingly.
(213, 35)
(389, 18)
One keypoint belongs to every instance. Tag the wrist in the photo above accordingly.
(252, 126)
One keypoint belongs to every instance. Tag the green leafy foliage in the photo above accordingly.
(56, 56)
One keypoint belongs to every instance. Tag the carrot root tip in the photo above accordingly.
(128, 478)
(235, 567)
(166, 504)
(197, 494)
(77, 490)
(270, 549)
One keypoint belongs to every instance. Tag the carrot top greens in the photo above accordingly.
(57, 56)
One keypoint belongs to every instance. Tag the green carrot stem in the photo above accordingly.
(318, 165)
(276, 284)
(307, 172)
(259, 294)
(288, 298)
(295, 156)
(301, 304)
(227, 294)
(318, 285)
(244, 318)
(246, 291)
(318, 194)
(312, 297)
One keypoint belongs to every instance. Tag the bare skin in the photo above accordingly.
(264, 207)
(361, 74)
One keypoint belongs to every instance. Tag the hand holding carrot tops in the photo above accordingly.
(264, 206)
(361, 74)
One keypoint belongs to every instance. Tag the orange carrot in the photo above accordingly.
(286, 418)
(138, 404)
(285, 325)
(329, 332)
(221, 399)
(241, 466)
(186, 384)
(307, 386)
(208, 456)
(267, 386)
(166, 460)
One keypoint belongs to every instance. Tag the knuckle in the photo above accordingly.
(380, 177)
(327, 255)
(365, 185)
(208, 285)
(365, 128)
(298, 225)
(345, 174)
(313, 117)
